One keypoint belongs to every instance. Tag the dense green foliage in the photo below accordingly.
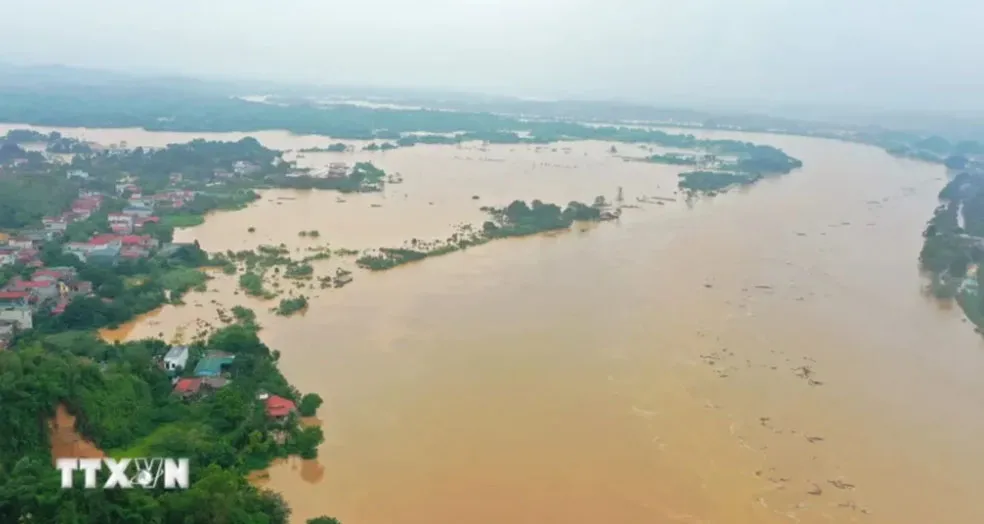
(25, 199)
(299, 271)
(123, 404)
(954, 242)
(252, 284)
(290, 306)
(337, 147)
(309, 404)
(323, 520)
(519, 219)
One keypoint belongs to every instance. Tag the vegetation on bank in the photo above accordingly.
(364, 178)
(123, 403)
(515, 220)
(710, 182)
(337, 147)
(385, 146)
(953, 244)
(201, 112)
(123, 291)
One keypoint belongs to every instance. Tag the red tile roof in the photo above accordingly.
(277, 406)
(101, 240)
(135, 240)
(11, 295)
(188, 385)
(60, 307)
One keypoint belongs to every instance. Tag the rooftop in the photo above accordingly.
(188, 385)
(211, 366)
(176, 352)
(277, 406)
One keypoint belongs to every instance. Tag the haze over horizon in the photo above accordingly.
(880, 55)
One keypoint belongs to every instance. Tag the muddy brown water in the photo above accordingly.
(764, 356)
(66, 442)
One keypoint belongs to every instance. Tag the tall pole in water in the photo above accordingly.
(619, 197)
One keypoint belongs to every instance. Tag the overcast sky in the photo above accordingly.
(891, 54)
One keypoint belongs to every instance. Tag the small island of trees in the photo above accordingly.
(515, 220)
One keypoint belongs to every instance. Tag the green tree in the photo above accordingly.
(324, 520)
(310, 404)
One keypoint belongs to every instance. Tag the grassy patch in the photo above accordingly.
(182, 220)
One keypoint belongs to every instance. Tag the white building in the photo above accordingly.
(119, 222)
(176, 358)
(20, 316)
(55, 224)
(77, 173)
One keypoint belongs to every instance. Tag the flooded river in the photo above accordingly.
(764, 356)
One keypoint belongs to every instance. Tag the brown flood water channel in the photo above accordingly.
(764, 356)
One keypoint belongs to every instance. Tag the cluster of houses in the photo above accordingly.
(334, 170)
(48, 288)
(22, 249)
(139, 210)
(110, 248)
(82, 208)
(210, 375)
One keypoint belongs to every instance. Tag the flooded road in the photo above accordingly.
(764, 356)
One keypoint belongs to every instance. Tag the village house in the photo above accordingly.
(189, 388)
(176, 358)
(41, 290)
(82, 287)
(121, 223)
(175, 198)
(37, 235)
(141, 201)
(77, 173)
(29, 257)
(55, 224)
(85, 207)
(56, 274)
(138, 211)
(279, 408)
(8, 256)
(140, 222)
(60, 306)
(127, 187)
(15, 308)
(7, 330)
(213, 363)
(20, 243)
(100, 248)
(243, 168)
(338, 170)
